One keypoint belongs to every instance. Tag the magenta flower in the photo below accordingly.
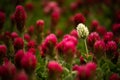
(7, 71)
(14, 35)
(29, 62)
(79, 18)
(32, 50)
(18, 43)
(82, 73)
(73, 6)
(99, 48)
(82, 61)
(21, 76)
(111, 47)
(74, 33)
(55, 16)
(114, 76)
(31, 44)
(20, 17)
(2, 19)
(51, 39)
(101, 30)
(40, 25)
(47, 47)
(68, 37)
(3, 51)
(27, 37)
(94, 25)
(92, 38)
(86, 72)
(108, 36)
(69, 50)
(91, 66)
(75, 67)
(29, 6)
(54, 70)
(18, 57)
(116, 29)
(31, 30)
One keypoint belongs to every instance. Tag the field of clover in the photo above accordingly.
(59, 39)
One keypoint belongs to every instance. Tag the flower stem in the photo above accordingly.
(86, 49)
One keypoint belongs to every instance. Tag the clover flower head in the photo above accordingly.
(82, 31)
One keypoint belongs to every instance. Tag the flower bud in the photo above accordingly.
(20, 17)
(40, 25)
(31, 30)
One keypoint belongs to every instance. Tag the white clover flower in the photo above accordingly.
(82, 31)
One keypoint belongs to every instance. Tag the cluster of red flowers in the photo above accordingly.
(23, 47)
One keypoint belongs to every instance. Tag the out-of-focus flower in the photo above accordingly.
(101, 30)
(73, 6)
(82, 31)
(29, 6)
(20, 17)
(114, 76)
(21, 76)
(99, 48)
(48, 45)
(31, 30)
(27, 37)
(54, 70)
(14, 35)
(32, 50)
(92, 38)
(18, 43)
(7, 71)
(108, 36)
(18, 57)
(31, 44)
(29, 62)
(74, 33)
(111, 47)
(116, 29)
(79, 18)
(85, 72)
(3, 50)
(40, 25)
(94, 25)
